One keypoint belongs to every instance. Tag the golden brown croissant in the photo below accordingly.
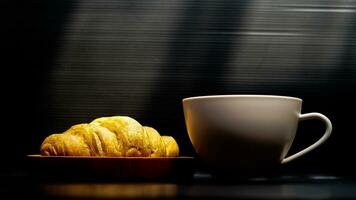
(82, 140)
(110, 136)
(128, 132)
(64, 145)
(172, 149)
(158, 148)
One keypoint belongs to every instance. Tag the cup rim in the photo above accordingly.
(242, 96)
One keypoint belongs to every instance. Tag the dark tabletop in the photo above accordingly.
(200, 186)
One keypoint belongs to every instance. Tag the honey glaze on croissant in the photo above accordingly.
(117, 136)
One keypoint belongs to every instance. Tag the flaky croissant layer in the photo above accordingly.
(117, 136)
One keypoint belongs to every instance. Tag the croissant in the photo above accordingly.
(130, 135)
(171, 145)
(158, 148)
(117, 136)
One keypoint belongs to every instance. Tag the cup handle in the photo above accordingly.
(326, 135)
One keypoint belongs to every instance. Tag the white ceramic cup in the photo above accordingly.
(246, 132)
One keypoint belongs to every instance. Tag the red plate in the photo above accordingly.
(123, 168)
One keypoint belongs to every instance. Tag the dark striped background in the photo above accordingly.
(68, 62)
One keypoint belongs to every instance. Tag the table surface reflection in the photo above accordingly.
(202, 186)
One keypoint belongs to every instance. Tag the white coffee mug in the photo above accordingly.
(246, 132)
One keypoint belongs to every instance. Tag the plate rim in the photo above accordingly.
(39, 156)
